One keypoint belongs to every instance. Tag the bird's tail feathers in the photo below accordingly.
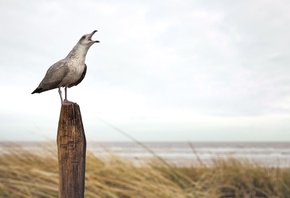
(38, 90)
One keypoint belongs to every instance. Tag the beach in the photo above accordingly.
(152, 169)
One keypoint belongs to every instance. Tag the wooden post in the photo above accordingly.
(71, 146)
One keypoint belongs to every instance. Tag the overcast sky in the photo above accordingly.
(163, 70)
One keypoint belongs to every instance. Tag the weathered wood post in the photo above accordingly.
(71, 146)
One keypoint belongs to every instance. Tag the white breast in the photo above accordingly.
(76, 69)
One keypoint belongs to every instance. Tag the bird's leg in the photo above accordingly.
(65, 94)
(66, 101)
(59, 92)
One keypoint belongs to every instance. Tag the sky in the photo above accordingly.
(163, 71)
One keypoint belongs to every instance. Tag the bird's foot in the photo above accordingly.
(67, 102)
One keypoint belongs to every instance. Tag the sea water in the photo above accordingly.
(274, 154)
(186, 153)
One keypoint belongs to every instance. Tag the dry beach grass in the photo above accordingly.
(26, 174)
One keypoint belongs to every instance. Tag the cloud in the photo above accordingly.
(162, 60)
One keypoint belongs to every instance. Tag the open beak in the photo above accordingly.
(91, 35)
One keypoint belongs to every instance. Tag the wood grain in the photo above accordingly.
(71, 145)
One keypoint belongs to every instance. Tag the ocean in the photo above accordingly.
(273, 154)
(276, 154)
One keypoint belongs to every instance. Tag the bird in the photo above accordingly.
(68, 72)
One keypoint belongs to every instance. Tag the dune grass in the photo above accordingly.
(26, 174)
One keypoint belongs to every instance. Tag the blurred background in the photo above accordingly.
(163, 70)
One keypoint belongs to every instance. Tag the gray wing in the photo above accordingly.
(53, 77)
(81, 78)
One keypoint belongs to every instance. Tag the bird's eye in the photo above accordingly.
(83, 37)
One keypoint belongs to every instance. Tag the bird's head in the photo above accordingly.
(87, 39)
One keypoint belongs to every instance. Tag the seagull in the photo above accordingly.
(69, 71)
